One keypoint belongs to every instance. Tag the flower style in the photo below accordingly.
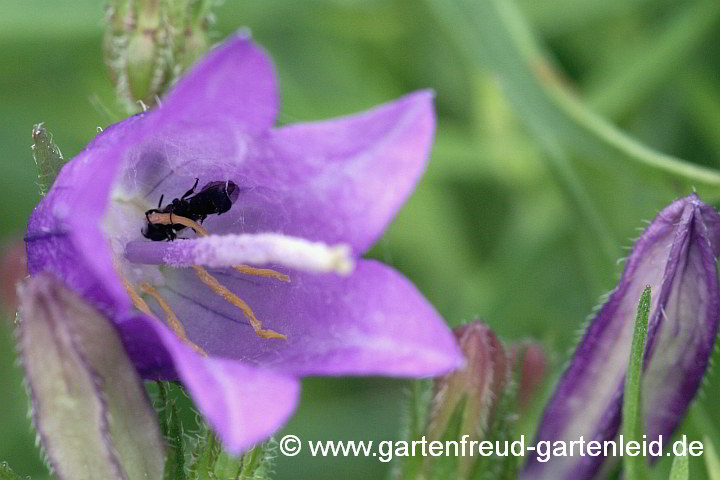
(311, 198)
(676, 257)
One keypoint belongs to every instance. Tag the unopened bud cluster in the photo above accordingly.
(149, 43)
(476, 403)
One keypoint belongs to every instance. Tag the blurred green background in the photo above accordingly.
(529, 198)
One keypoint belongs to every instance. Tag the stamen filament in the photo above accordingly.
(137, 300)
(172, 319)
(262, 272)
(221, 290)
(168, 219)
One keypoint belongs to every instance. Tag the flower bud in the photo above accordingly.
(475, 389)
(468, 405)
(149, 43)
(147, 52)
(89, 406)
(675, 257)
(530, 364)
(193, 40)
(13, 268)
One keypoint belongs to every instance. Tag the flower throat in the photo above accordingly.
(186, 212)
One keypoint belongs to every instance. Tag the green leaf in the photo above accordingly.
(636, 468)
(712, 462)
(6, 473)
(47, 156)
(680, 469)
(620, 85)
(493, 33)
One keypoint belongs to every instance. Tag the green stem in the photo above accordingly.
(494, 33)
(620, 85)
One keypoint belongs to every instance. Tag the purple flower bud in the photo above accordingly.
(531, 367)
(89, 405)
(676, 257)
(476, 388)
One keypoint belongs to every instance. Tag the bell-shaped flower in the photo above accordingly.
(262, 292)
(676, 257)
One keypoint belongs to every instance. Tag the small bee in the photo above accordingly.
(215, 198)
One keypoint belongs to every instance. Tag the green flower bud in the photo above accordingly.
(89, 406)
(149, 43)
(147, 52)
(193, 40)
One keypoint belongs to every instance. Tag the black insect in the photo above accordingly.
(215, 198)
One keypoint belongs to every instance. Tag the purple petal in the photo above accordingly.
(373, 322)
(341, 180)
(231, 94)
(63, 235)
(676, 258)
(337, 181)
(244, 404)
(208, 124)
(233, 83)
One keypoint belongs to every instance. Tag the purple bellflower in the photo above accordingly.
(676, 257)
(309, 199)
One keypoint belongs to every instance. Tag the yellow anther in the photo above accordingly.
(172, 319)
(221, 290)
